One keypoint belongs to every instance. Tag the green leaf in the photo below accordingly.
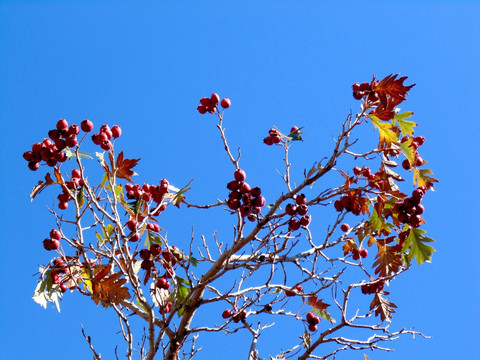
(387, 135)
(378, 223)
(140, 305)
(99, 238)
(80, 197)
(417, 243)
(406, 127)
(182, 280)
(152, 238)
(193, 261)
(421, 177)
(182, 292)
(70, 154)
(324, 314)
(104, 180)
(408, 151)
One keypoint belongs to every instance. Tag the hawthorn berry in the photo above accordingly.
(345, 227)
(55, 234)
(73, 130)
(240, 175)
(305, 220)
(163, 283)
(155, 250)
(226, 103)
(227, 313)
(301, 199)
(116, 131)
(62, 124)
(214, 99)
(32, 165)
(363, 253)
(291, 209)
(63, 205)
(145, 254)
(294, 225)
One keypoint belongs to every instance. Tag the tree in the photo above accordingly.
(111, 248)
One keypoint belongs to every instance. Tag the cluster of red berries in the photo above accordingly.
(294, 291)
(210, 104)
(168, 258)
(58, 267)
(102, 138)
(51, 150)
(298, 212)
(410, 209)
(149, 192)
(365, 171)
(357, 253)
(415, 144)
(274, 136)
(53, 243)
(244, 198)
(237, 317)
(365, 89)
(313, 320)
(374, 288)
(348, 202)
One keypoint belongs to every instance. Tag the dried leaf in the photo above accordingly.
(109, 289)
(387, 260)
(42, 185)
(316, 303)
(123, 167)
(382, 306)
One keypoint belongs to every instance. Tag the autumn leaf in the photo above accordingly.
(41, 185)
(382, 306)
(408, 150)
(110, 289)
(123, 167)
(387, 131)
(387, 260)
(391, 92)
(417, 243)
(421, 177)
(320, 308)
(379, 224)
(177, 196)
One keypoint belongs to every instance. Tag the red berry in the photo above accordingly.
(363, 253)
(233, 204)
(73, 130)
(131, 224)
(71, 141)
(214, 99)
(268, 141)
(276, 139)
(105, 129)
(301, 199)
(239, 175)
(163, 283)
(60, 144)
(312, 328)
(28, 155)
(256, 191)
(227, 313)
(51, 162)
(54, 134)
(302, 209)
(305, 220)
(116, 131)
(32, 165)
(345, 227)
(62, 205)
(62, 124)
(76, 174)
(244, 188)
(155, 249)
(86, 125)
(63, 288)
(202, 109)
(293, 225)
(145, 254)
(406, 164)
(338, 205)
(357, 171)
(226, 103)
(106, 145)
(55, 234)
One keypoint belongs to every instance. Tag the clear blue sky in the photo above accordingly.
(144, 64)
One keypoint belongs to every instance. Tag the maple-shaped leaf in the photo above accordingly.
(123, 167)
(382, 306)
(108, 289)
(37, 189)
(387, 261)
(379, 224)
(406, 127)
(421, 177)
(387, 131)
(391, 92)
(417, 243)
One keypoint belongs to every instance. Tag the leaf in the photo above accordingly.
(316, 303)
(419, 250)
(80, 197)
(70, 154)
(45, 293)
(41, 185)
(387, 260)
(123, 167)
(159, 296)
(110, 289)
(391, 92)
(386, 131)
(408, 150)
(406, 127)
(379, 224)
(421, 177)
(177, 197)
(382, 306)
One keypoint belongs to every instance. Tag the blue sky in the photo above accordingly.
(143, 65)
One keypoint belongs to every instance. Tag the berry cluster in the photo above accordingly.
(51, 150)
(274, 137)
(294, 291)
(53, 243)
(349, 202)
(168, 258)
(357, 253)
(365, 171)
(210, 104)
(149, 192)
(102, 138)
(373, 288)
(415, 144)
(365, 89)
(244, 198)
(237, 317)
(313, 320)
(299, 210)
(410, 209)
(58, 267)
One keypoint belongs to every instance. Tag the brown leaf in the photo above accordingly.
(387, 260)
(42, 185)
(382, 306)
(391, 92)
(123, 167)
(317, 303)
(109, 289)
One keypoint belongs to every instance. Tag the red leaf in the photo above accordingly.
(317, 304)
(391, 92)
(123, 167)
